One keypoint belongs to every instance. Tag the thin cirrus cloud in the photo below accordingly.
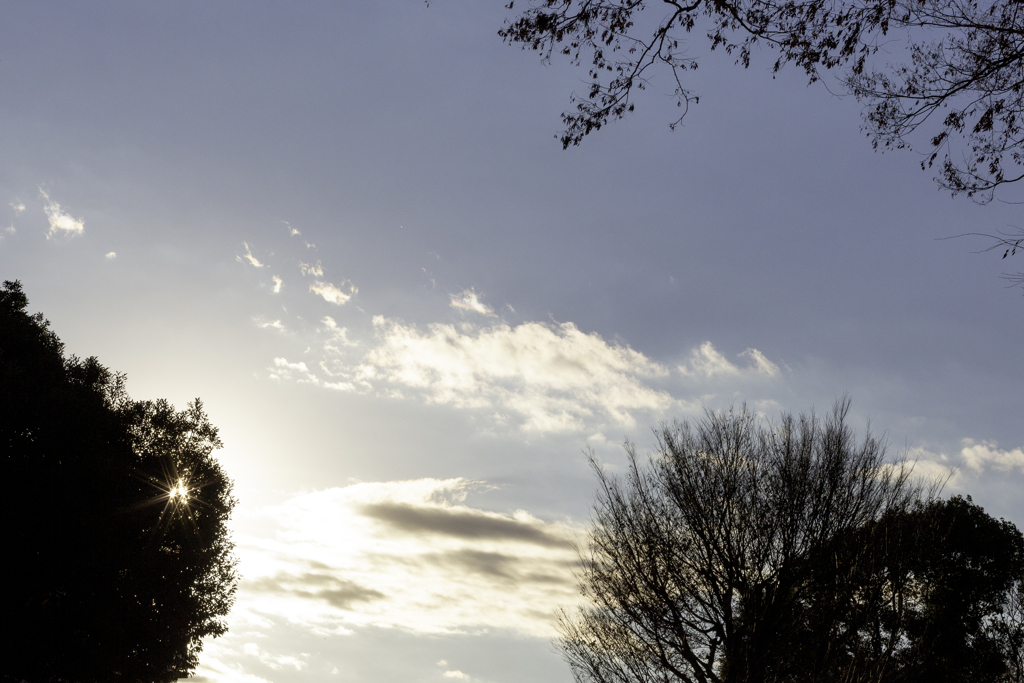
(468, 300)
(332, 293)
(60, 220)
(706, 361)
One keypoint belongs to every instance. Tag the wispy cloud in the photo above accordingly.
(408, 554)
(247, 257)
(549, 377)
(19, 206)
(300, 373)
(272, 324)
(291, 231)
(60, 220)
(337, 336)
(276, 662)
(707, 361)
(468, 300)
(329, 564)
(315, 269)
(332, 293)
(277, 284)
(111, 254)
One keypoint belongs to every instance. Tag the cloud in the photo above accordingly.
(300, 372)
(338, 336)
(759, 364)
(456, 674)
(331, 293)
(335, 591)
(10, 229)
(276, 662)
(248, 257)
(468, 300)
(20, 206)
(552, 377)
(284, 370)
(111, 254)
(277, 284)
(273, 324)
(291, 231)
(987, 456)
(707, 361)
(315, 269)
(409, 555)
(61, 220)
(456, 522)
(975, 460)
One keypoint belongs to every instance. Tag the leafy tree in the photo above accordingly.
(961, 79)
(114, 518)
(745, 552)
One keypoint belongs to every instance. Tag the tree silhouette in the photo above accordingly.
(114, 515)
(750, 553)
(961, 72)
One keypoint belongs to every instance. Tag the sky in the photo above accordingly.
(350, 229)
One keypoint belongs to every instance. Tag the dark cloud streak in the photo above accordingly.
(458, 523)
(339, 593)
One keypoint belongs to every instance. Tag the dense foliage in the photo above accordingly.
(745, 552)
(114, 518)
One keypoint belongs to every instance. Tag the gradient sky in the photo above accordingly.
(349, 228)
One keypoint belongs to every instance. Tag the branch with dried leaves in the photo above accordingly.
(963, 74)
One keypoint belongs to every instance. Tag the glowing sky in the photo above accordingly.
(349, 228)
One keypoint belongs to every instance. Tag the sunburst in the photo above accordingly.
(178, 493)
(179, 496)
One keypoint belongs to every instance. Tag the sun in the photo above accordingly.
(178, 492)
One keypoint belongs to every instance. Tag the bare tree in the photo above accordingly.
(745, 552)
(728, 557)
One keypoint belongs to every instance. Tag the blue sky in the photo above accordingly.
(350, 229)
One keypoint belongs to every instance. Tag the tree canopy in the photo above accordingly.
(953, 88)
(746, 552)
(114, 518)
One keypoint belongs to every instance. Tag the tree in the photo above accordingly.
(745, 552)
(114, 518)
(962, 75)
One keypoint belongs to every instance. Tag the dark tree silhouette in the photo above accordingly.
(114, 515)
(751, 553)
(961, 76)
